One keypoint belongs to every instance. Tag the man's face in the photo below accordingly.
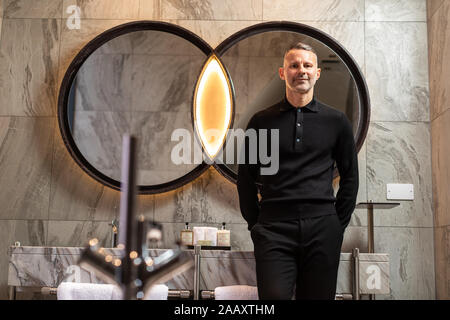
(300, 71)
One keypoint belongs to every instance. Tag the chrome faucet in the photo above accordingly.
(134, 270)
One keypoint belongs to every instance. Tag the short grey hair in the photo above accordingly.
(300, 46)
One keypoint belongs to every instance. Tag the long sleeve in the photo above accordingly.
(246, 185)
(347, 164)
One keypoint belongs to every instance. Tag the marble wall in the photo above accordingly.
(439, 53)
(48, 200)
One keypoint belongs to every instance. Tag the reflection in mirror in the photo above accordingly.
(142, 83)
(253, 67)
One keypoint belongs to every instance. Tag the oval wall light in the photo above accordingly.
(213, 105)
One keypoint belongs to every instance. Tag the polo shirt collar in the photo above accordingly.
(311, 106)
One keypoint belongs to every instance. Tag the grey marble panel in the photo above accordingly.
(29, 66)
(240, 236)
(33, 9)
(75, 195)
(355, 237)
(343, 10)
(215, 199)
(349, 34)
(31, 268)
(175, 206)
(1, 17)
(215, 31)
(105, 9)
(212, 10)
(442, 261)
(27, 232)
(103, 83)
(359, 217)
(26, 158)
(440, 151)
(433, 6)
(149, 9)
(78, 233)
(226, 272)
(411, 260)
(403, 10)
(439, 54)
(396, 71)
(398, 152)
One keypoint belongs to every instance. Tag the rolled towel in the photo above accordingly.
(211, 235)
(157, 292)
(205, 233)
(88, 291)
(199, 234)
(238, 292)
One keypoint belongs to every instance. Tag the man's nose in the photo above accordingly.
(301, 70)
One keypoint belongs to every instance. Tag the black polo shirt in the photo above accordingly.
(311, 140)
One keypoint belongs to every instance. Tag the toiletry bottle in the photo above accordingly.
(187, 236)
(223, 237)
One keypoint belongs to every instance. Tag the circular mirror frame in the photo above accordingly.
(98, 41)
(70, 75)
(342, 53)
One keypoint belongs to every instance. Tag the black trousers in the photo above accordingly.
(301, 254)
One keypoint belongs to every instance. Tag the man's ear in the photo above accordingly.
(318, 73)
(281, 73)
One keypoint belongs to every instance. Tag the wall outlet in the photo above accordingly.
(398, 191)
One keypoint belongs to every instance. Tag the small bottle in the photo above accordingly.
(223, 237)
(187, 236)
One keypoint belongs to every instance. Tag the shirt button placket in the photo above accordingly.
(298, 142)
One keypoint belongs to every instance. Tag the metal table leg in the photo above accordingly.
(197, 252)
(356, 274)
(12, 292)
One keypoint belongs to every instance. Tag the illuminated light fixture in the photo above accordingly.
(93, 242)
(213, 106)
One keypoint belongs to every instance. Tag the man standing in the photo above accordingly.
(297, 226)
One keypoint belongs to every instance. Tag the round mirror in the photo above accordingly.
(253, 57)
(138, 78)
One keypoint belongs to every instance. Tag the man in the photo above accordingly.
(297, 226)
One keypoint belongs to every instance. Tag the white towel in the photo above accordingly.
(157, 292)
(239, 292)
(199, 234)
(211, 235)
(88, 291)
(97, 291)
(205, 233)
